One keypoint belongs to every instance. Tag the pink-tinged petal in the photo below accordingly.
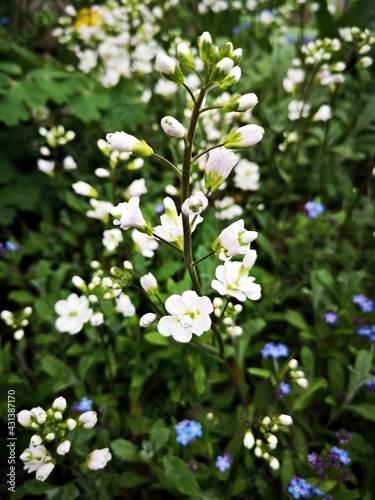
(182, 334)
(166, 325)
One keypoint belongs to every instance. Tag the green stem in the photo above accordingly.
(161, 302)
(206, 151)
(190, 93)
(203, 258)
(166, 242)
(147, 298)
(222, 313)
(167, 162)
(207, 108)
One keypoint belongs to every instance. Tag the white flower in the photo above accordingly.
(69, 163)
(50, 436)
(149, 284)
(121, 141)
(285, 419)
(246, 175)
(249, 440)
(136, 188)
(63, 447)
(79, 283)
(144, 243)
(111, 238)
(172, 127)
(272, 441)
(59, 404)
(364, 62)
(44, 471)
(128, 214)
(293, 78)
(46, 166)
(24, 417)
(195, 204)
(297, 110)
(323, 114)
(124, 306)
(98, 459)
(101, 210)
(74, 313)
(293, 364)
(219, 165)
(84, 189)
(234, 240)
(243, 137)
(171, 224)
(88, 419)
(189, 315)
(34, 457)
(227, 209)
(97, 319)
(147, 319)
(232, 77)
(233, 279)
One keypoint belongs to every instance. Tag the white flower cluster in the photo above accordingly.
(75, 311)
(115, 40)
(228, 316)
(297, 376)
(49, 426)
(17, 322)
(54, 137)
(267, 442)
(362, 41)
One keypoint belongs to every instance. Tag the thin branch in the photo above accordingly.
(206, 151)
(167, 162)
(203, 258)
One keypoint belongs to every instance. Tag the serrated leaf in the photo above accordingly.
(87, 105)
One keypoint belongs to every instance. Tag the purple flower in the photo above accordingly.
(314, 209)
(187, 430)
(366, 304)
(223, 462)
(273, 350)
(331, 317)
(283, 390)
(371, 386)
(84, 404)
(344, 436)
(338, 456)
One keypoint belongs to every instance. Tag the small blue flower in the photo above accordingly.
(84, 404)
(223, 462)
(299, 488)
(367, 331)
(331, 317)
(371, 385)
(159, 209)
(314, 209)
(275, 350)
(11, 247)
(283, 390)
(187, 430)
(366, 304)
(315, 490)
(342, 455)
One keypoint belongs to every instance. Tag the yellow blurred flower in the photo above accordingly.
(86, 17)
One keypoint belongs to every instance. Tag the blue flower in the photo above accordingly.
(84, 404)
(187, 430)
(298, 487)
(273, 350)
(331, 317)
(341, 454)
(366, 304)
(314, 209)
(223, 462)
(371, 385)
(315, 490)
(283, 390)
(367, 331)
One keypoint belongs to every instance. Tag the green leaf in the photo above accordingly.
(159, 435)
(180, 475)
(359, 373)
(287, 468)
(10, 68)
(296, 319)
(156, 339)
(130, 479)
(336, 375)
(126, 450)
(365, 410)
(22, 297)
(259, 372)
(87, 104)
(305, 398)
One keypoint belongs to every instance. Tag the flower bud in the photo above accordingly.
(206, 48)
(146, 320)
(172, 127)
(149, 284)
(293, 363)
(274, 463)
(36, 440)
(241, 103)
(233, 76)
(121, 141)
(84, 189)
(248, 440)
(50, 436)
(222, 69)
(303, 382)
(243, 137)
(59, 404)
(88, 419)
(71, 424)
(285, 419)
(44, 471)
(63, 447)
(169, 68)
(195, 204)
(185, 56)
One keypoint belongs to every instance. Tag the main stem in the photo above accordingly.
(185, 189)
